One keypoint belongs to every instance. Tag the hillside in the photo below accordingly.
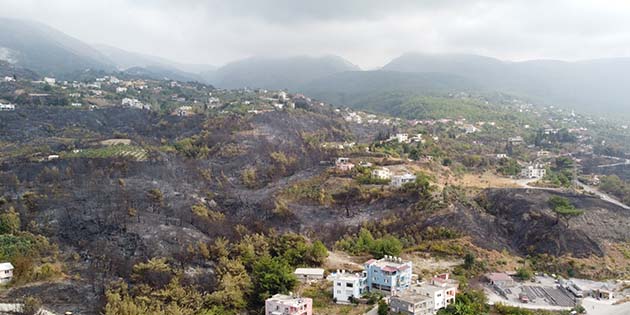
(356, 88)
(45, 50)
(124, 60)
(277, 73)
(584, 85)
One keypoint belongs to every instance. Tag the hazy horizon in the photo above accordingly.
(367, 34)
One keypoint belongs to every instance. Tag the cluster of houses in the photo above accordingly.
(343, 164)
(134, 103)
(389, 276)
(404, 138)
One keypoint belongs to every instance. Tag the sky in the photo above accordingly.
(368, 33)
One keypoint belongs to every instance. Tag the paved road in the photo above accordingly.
(595, 307)
(602, 195)
(373, 311)
(525, 184)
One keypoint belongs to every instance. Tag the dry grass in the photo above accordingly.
(111, 142)
(485, 180)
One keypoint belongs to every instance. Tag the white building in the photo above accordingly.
(121, 89)
(6, 272)
(50, 81)
(533, 172)
(470, 129)
(309, 274)
(8, 79)
(348, 285)
(132, 102)
(76, 104)
(400, 180)
(442, 289)
(7, 107)
(400, 137)
(382, 173)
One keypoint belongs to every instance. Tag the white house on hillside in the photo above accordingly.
(348, 285)
(6, 272)
(400, 180)
(381, 173)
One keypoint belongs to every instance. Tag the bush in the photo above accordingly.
(32, 306)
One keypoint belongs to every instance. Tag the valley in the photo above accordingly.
(165, 195)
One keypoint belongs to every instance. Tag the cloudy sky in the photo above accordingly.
(367, 32)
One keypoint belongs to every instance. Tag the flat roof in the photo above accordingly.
(309, 271)
(498, 276)
(6, 266)
(389, 264)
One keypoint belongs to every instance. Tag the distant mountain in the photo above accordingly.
(277, 73)
(593, 85)
(45, 50)
(356, 88)
(126, 59)
(159, 73)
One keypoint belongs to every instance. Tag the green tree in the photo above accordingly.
(524, 273)
(317, 253)
(469, 261)
(382, 308)
(563, 209)
(272, 276)
(9, 222)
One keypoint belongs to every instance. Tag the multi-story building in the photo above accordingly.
(442, 289)
(281, 304)
(347, 286)
(425, 298)
(533, 172)
(412, 302)
(388, 275)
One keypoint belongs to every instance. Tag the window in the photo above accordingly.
(349, 285)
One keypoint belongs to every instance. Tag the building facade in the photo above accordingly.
(388, 275)
(6, 272)
(400, 180)
(281, 304)
(347, 286)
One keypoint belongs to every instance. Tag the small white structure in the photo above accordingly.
(401, 137)
(309, 274)
(50, 81)
(348, 285)
(382, 173)
(53, 157)
(342, 160)
(7, 107)
(6, 272)
(400, 180)
(470, 129)
(121, 89)
(501, 156)
(8, 79)
(76, 104)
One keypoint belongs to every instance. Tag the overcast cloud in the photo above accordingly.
(366, 32)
